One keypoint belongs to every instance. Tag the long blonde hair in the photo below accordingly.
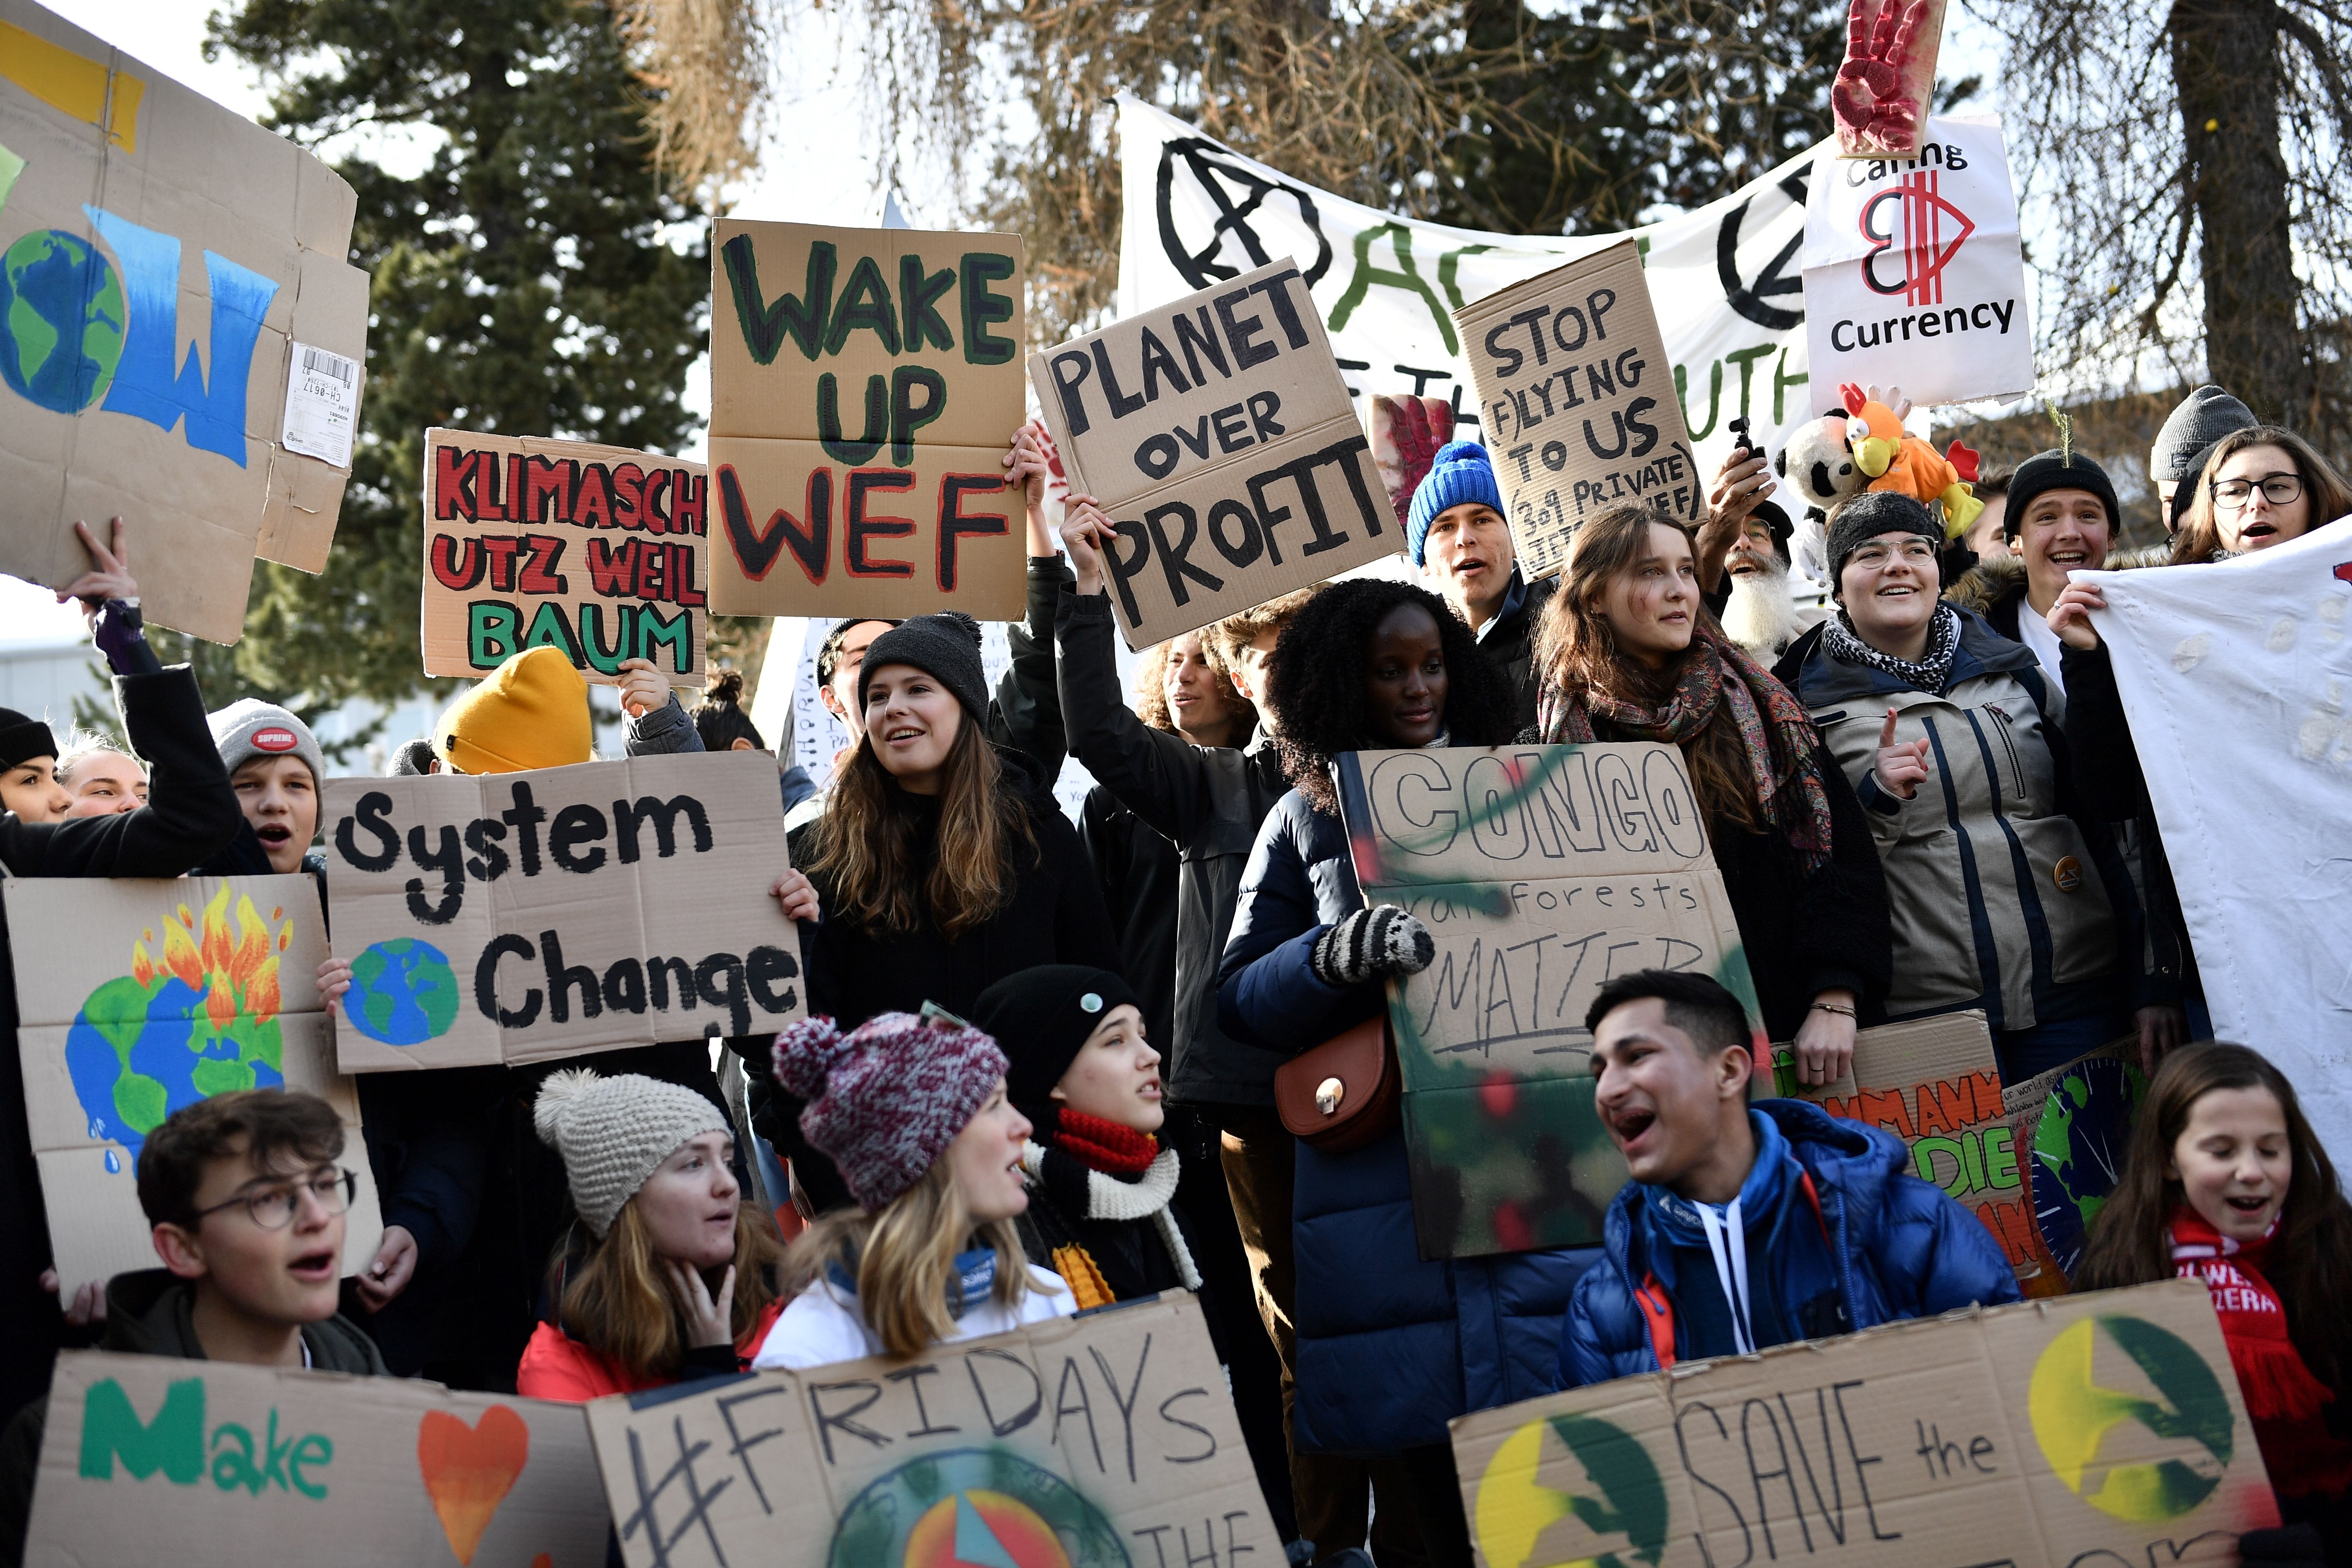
(869, 859)
(618, 1301)
(903, 1259)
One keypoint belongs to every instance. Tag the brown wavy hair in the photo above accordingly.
(1577, 652)
(2329, 494)
(868, 857)
(2310, 1260)
(617, 1299)
(1151, 684)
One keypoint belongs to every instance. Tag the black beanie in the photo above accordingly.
(2055, 470)
(2203, 417)
(1041, 1017)
(945, 646)
(1871, 514)
(22, 739)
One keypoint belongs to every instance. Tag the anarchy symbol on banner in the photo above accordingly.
(1750, 299)
(1221, 176)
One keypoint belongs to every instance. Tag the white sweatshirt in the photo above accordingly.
(824, 1324)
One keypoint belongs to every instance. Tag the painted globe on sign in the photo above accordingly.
(973, 1508)
(2103, 1442)
(1570, 1491)
(62, 319)
(2078, 1152)
(403, 993)
(134, 1058)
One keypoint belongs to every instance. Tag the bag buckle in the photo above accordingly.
(1327, 1096)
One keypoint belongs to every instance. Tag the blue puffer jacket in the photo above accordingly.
(1391, 1348)
(1898, 1247)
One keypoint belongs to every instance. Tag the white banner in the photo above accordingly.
(2236, 678)
(1914, 273)
(1725, 279)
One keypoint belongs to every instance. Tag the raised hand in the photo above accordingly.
(1902, 765)
(643, 689)
(1086, 534)
(110, 574)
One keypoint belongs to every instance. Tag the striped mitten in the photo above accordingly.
(1382, 939)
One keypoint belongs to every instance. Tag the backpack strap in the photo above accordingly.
(1658, 1318)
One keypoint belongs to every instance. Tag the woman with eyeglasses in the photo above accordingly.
(2258, 487)
(2005, 896)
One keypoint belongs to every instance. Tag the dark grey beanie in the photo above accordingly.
(1869, 516)
(2204, 417)
(945, 646)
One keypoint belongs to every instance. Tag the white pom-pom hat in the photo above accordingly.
(613, 1132)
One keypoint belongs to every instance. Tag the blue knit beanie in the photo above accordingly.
(1461, 473)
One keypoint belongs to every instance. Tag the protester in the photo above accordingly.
(248, 1204)
(1456, 534)
(672, 1280)
(915, 1118)
(2061, 516)
(1383, 1347)
(2259, 486)
(101, 776)
(2225, 1182)
(273, 765)
(1628, 653)
(1745, 1225)
(412, 759)
(2190, 431)
(30, 789)
(1988, 536)
(1763, 615)
(2007, 895)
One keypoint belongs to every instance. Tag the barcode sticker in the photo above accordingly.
(322, 405)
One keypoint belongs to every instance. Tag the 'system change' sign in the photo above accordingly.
(864, 386)
(1217, 435)
(520, 917)
(599, 552)
(1543, 872)
(1106, 1441)
(1576, 404)
(2079, 1433)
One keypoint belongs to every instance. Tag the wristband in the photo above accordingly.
(1840, 1009)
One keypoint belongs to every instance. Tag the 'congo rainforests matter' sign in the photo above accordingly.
(1575, 405)
(138, 998)
(1219, 438)
(521, 917)
(2085, 1432)
(219, 1466)
(1543, 872)
(1102, 1441)
(599, 552)
(858, 426)
(180, 333)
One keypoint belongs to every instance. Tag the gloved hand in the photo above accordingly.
(1382, 940)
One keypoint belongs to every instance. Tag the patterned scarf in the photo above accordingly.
(1776, 735)
(1932, 671)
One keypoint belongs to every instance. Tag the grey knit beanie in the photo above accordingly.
(2203, 417)
(245, 729)
(945, 646)
(612, 1133)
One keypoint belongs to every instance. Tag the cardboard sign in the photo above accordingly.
(172, 278)
(1936, 1084)
(864, 386)
(2071, 1127)
(1914, 271)
(138, 998)
(1577, 403)
(1543, 872)
(2097, 1429)
(1104, 1441)
(216, 1465)
(1218, 436)
(598, 551)
(522, 916)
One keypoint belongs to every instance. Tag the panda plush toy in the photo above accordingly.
(1819, 467)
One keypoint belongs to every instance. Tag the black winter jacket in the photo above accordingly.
(1509, 638)
(1140, 879)
(1206, 800)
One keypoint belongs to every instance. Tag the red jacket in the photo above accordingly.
(557, 1366)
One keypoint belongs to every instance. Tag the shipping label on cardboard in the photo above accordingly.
(219, 1466)
(865, 384)
(1542, 872)
(1576, 403)
(1102, 1441)
(2096, 1429)
(1218, 436)
(528, 916)
(139, 996)
(166, 265)
(2071, 1127)
(599, 552)
(1936, 1084)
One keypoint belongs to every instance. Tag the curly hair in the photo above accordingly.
(1151, 684)
(1316, 681)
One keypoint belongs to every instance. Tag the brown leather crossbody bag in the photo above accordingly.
(1344, 1093)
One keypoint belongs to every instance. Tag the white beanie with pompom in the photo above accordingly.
(613, 1132)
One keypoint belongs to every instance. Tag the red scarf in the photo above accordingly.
(1104, 1146)
(2282, 1398)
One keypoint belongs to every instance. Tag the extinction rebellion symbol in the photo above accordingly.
(1263, 218)
(1923, 232)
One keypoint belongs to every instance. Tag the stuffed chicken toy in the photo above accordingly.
(1893, 459)
(1819, 464)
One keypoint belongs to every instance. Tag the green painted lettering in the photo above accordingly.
(1403, 275)
(174, 1442)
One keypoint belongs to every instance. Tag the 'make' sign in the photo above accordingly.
(1218, 436)
(1104, 1441)
(865, 385)
(521, 917)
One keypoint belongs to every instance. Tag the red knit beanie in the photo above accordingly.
(886, 1100)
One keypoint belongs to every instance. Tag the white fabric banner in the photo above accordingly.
(1724, 279)
(2236, 676)
(1914, 273)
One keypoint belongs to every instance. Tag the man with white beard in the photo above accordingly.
(1763, 615)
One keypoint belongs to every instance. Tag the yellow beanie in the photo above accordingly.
(531, 712)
